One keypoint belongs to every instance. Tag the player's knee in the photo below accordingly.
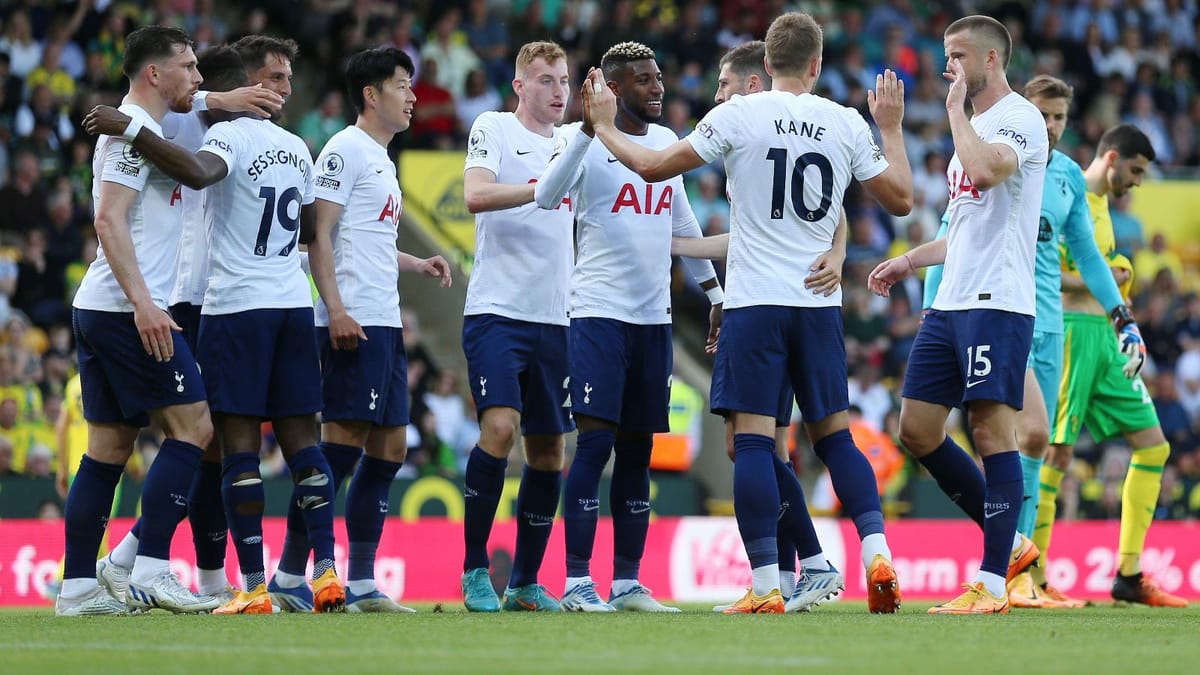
(497, 434)
(918, 442)
(1033, 441)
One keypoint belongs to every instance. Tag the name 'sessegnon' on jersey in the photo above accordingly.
(354, 171)
(253, 217)
(523, 255)
(789, 159)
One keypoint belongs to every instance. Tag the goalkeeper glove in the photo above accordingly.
(1130, 340)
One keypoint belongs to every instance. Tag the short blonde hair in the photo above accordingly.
(793, 41)
(548, 51)
(1049, 87)
(988, 29)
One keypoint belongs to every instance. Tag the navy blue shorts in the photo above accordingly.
(521, 365)
(783, 418)
(120, 381)
(187, 316)
(970, 355)
(763, 349)
(368, 384)
(261, 363)
(621, 373)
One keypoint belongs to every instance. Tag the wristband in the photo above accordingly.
(131, 131)
(715, 295)
(200, 101)
(1121, 316)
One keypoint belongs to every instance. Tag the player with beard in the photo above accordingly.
(133, 363)
(620, 347)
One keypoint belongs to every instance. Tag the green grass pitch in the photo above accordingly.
(835, 638)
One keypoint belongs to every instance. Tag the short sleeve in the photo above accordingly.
(222, 140)
(714, 135)
(485, 143)
(867, 161)
(1023, 130)
(336, 170)
(310, 182)
(124, 165)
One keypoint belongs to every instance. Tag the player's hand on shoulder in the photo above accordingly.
(825, 275)
(344, 331)
(254, 99)
(886, 103)
(154, 325)
(106, 120)
(887, 273)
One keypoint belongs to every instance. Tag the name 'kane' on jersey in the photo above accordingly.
(789, 159)
(254, 218)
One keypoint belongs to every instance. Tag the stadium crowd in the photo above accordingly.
(1128, 61)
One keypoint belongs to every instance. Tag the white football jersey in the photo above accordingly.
(789, 159)
(354, 171)
(191, 279)
(154, 221)
(992, 237)
(523, 255)
(253, 218)
(623, 233)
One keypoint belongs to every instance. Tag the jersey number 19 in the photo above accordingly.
(278, 210)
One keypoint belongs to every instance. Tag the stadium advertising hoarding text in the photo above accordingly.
(693, 559)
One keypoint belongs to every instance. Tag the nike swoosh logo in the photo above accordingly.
(535, 523)
(378, 170)
(643, 510)
(591, 507)
(613, 159)
(524, 152)
(993, 513)
(972, 384)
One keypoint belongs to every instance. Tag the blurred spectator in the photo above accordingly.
(479, 97)
(710, 205)
(402, 38)
(43, 110)
(17, 41)
(50, 73)
(1172, 417)
(447, 47)
(1127, 229)
(109, 43)
(40, 289)
(435, 120)
(868, 393)
(12, 88)
(487, 34)
(446, 403)
(6, 458)
(1149, 261)
(320, 124)
(22, 201)
(1187, 381)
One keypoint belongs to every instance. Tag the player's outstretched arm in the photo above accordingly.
(985, 164)
(344, 331)
(893, 270)
(196, 171)
(482, 193)
(112, 229)
(893, 188)
(435, 267)
(715, 247)
(563, 172)
(652, 165)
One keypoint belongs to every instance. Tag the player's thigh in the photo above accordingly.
(817, 362)
(368, 384)
(646, 403)
(1119, 405)
(237, 353)
(751, 366)
(993, 349)
(237, 433)
(1084, 359)
(547, 407)
(295, 387)
(498, 350)
(388, 443)
(1046, 359)
(120, 382)
(601, 356)
(934, 374)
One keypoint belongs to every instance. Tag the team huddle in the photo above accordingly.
(197, 314)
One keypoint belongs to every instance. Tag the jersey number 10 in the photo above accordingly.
(779, 157)
(280, 210)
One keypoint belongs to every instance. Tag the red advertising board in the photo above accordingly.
(687, 559)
